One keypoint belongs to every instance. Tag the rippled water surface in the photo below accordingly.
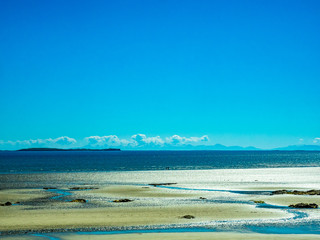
(25, 162)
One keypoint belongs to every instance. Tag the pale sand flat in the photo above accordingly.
(288, 199)
(139, 191)
(284, 199)
(172, 236)
(140, 212)
(17, 195)
(193, 236)
(16, 218)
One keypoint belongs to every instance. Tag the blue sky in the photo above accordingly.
(234, 72)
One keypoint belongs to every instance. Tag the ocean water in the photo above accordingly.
(37, 162)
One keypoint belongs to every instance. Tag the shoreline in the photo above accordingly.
(158, 235)
(157, 170)
(215, 204)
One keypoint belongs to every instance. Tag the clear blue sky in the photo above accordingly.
(242, 72)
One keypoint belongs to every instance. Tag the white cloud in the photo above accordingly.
(106, 141)
(316, 140)
(142, 139)
(177, 140)
(135, 141)
(49, 142)
(64, 140)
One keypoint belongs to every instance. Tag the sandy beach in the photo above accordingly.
(41, 219)
(170, 236)
(211, 197)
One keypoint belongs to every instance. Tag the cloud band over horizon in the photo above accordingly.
(137, 141)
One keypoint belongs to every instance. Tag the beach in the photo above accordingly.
(168, 236)
(213, 199)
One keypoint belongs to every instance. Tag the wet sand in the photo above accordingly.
(192, 236)
(170, 236)
(59, 215)
(45, 210)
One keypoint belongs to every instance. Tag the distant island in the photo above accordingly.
(69, 150)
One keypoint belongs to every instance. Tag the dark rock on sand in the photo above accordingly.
(123, 200)
(279, 192)
(259, 201)
(79, 200)
(202, 198)
(161, 184)
(310, 192)
(83, 188)
(304, 205)
(313, 192)
(188, 216)
(296, 192)
(47, 188)
(6, 204)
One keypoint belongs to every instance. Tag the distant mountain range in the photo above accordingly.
(300, 147)
(221, 147)
(288, 148)
(218, 147)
